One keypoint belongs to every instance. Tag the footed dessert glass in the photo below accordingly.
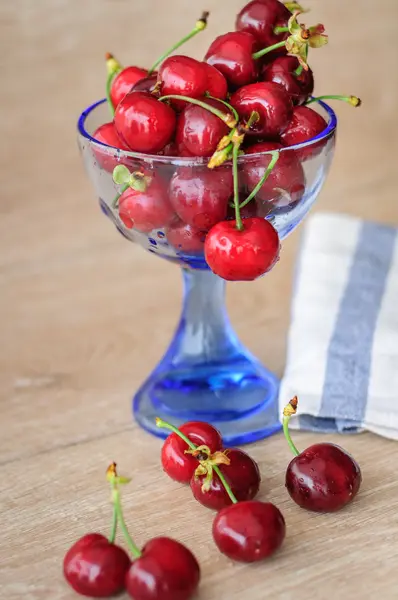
(206, 374)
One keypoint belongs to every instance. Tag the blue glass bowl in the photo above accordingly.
(206, 373)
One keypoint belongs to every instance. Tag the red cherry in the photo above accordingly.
(285, 184)
(199, 130)
(304, 125)
(94, 567)
(200, 196)
(107, 134)
(124, 81)
(146, 210)
(170, 150)
(282, 71)
(216, 83)
(242, 475)
(231, 54)
(242, 255)
(323, 478)
(147, 84)
(260, 18)
(167, 570)
(144, 123)
(185, 238)
(183, 76)
(270, 101)
(249, 531)
(176, 463)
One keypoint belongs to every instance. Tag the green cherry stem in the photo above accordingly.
(164, 425)
(288, 412)
(227, 118)
(200, 25)
(275, 157)
(353, 100)
(115, 201)
(238, 218)
(113, 68)
(225, 484)
(231, 108)
(265, 51)
(112, 537)
(278, 30)
(135, 551)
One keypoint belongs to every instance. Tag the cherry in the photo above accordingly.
(146, 209)
(285, 185)
(107, 134)
(242, 255)
(249, 531)
(185, 238)
(144, 123)
(261, 18)
(216, 83)
(179, 465)
(283, 71)
(270, 101)
(305, 125)
(199, 130)
(322, 478)
(200, 195)
(95, 567)
(147, 84)
(182, 76)
(248, 211)
(166, 570)
(124, 81)
(242, 475)
(232, 55)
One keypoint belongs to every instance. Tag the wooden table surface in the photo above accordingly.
(85, 316)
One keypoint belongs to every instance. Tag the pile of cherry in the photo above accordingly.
(322, 478)
(250, 96)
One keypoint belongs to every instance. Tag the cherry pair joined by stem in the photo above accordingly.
(322, 478)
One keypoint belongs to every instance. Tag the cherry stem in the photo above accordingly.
(201, 24)
(109, 81)
(225, 484)
(238, 218)
(112, 537)
(299, 70)
(135, 551)
(114, 67)
(275, 157)
(231, 108)
(227, 119)
(281, 30)
(115, 201)
(265, 51)
(164, 425)
(353, 100)
(286, 432)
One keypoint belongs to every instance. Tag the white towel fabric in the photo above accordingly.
(342, 358)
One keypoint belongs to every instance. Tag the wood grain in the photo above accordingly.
(82, 321)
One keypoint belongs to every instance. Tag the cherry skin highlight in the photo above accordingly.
(200, 196)
(146, 210)
(242, 475)
(271, 102)
(282, 71)
(183, 76)
(249, 531)
(94, 567)
(124, 81)
(260, 18)
(199, 130)
(323, 478)
(143, 123)
(242, 255)
(176, 463)
(167, 570)
(231, 54)
(305, 125)
(185, 238)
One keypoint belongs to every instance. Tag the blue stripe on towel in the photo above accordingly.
(345, 389)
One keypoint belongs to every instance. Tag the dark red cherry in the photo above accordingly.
(107, 134)
(200, 196)
(216, 83)
(94, 567)
(147, 84)
(270, 101)
(167, 570)
(249, 531)
(243, 255)
(185, 238)
(183, 76)
(242, 475)
(146, 210)
(304, 125)
(198, 130)
(323, 478)
(260, 18)
(124, 81)
(144, 123)
(285, 185)
(176, 463)
(282, 71)
(231, 54)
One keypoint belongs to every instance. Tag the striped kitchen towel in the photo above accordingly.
(342, 360)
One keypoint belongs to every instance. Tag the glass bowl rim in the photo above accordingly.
(196, 161)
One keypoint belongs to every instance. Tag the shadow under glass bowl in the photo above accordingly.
(206, 374)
